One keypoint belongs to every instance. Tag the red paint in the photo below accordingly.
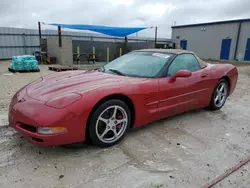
(180, 74)
(46, 102)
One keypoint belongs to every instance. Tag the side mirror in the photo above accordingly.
(181, 74)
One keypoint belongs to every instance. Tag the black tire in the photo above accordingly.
(213, 105)
(93, 121)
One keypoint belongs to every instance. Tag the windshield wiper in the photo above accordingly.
(102, 69)
(117, 72)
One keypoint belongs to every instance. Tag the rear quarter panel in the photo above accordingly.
(219, 71)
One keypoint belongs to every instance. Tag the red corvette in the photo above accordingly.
(101, 105)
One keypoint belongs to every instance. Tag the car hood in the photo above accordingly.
(80, 82)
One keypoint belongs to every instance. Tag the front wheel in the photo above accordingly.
(109, 123)
(220, 95)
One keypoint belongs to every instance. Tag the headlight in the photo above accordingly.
(51, 130)
(63, 101)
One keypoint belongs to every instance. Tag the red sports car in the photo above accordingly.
(133, 90)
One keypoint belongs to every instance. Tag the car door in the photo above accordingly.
(184, 93)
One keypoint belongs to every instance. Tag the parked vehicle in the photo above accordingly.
(133, 90)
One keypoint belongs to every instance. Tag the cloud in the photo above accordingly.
(161, 13)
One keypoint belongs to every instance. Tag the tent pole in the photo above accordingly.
(125, 45)
(40, 38)
(60, 36)
(40, 33)
(155, 36)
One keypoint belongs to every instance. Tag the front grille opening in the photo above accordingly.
(28, 127)
(37, 139)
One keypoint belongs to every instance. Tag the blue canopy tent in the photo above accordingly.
(111, 31)
(107, 30)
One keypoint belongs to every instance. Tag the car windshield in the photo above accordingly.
(138, 64)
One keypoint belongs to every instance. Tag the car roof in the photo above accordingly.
(175, 51)
(172, 51)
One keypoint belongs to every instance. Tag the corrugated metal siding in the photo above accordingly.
(101, 48)
(207, 44)
(18, 41)
(244, 35)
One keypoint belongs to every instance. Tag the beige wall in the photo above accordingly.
(64, 55)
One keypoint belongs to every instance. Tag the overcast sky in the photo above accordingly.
(161, 13)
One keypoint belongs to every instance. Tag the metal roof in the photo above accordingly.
(212, 23)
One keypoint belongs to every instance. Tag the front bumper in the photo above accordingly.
(29, 114)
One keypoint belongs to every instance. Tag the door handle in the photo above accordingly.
(204, 75)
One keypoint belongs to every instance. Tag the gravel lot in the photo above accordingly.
(187, 150)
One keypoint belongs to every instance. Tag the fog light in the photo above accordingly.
(51, 130)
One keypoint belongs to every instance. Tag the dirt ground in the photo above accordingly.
(187, 150)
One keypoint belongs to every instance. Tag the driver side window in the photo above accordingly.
(183, 62)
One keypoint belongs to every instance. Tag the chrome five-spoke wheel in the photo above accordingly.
(109, 123)
(220, 95)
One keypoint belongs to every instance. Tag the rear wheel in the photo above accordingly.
(109, 123)
(220, 95)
